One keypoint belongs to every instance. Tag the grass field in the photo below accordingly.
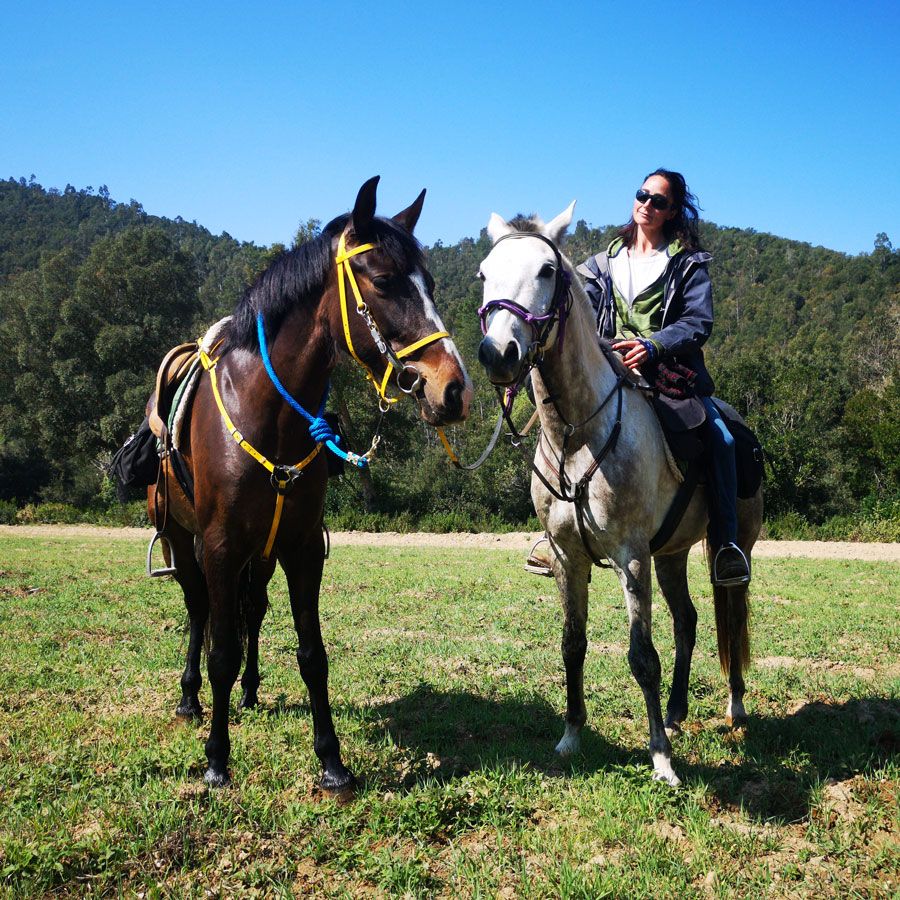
(447, 688)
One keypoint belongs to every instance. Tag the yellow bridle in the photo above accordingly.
(393, 358)
(282, 476)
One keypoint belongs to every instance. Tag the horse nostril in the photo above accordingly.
(486, 352)
(453, 396)
(511, 354)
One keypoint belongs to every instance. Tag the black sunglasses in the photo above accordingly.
(657, 201)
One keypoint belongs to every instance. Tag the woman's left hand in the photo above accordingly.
(634, 353)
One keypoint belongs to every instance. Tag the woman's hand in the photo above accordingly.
(634, 353)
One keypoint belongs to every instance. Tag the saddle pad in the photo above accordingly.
(185, 395)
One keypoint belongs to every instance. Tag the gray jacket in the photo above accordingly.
(687, 316)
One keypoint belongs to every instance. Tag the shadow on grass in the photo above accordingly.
(468, 731)
(784, 758)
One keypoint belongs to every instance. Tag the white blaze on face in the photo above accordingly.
(431, 315)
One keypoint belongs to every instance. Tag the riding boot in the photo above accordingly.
(730, 566)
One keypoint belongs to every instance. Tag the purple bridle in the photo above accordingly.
(556, 313)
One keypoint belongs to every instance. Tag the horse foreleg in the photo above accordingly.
(303, 569)
(259, 602)
(223, 664)
(572, 580)
(634, 576)
(671, 573)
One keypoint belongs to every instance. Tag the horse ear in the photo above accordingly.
(555, 229)
(408, 217)
(497, 227)
(364, 208)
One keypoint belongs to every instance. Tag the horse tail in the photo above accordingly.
(732, 608)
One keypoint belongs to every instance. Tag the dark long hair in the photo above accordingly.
(684, 224)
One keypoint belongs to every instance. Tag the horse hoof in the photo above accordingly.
(339, 781)
(248, 700)
(189, 710)
(663, 771)
(673, 730)
(669, 778)
(570, 743)
(217, 778)
(737, 721)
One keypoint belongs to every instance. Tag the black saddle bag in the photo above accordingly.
(681, 421)
(136, 463)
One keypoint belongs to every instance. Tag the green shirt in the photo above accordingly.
(644, 316)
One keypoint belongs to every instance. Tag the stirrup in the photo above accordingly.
(538, 564)
(156, 573)
(736, 580)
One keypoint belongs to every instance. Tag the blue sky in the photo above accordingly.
(250, 118)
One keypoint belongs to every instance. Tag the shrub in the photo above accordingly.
(48, 514)
(7, 512)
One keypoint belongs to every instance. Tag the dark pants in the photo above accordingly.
(723, 478)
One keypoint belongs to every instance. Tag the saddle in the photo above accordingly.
(172, 372)
(682, 423)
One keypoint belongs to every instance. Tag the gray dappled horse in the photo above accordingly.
(602, 483)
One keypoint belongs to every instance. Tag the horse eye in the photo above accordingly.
(548, 270)
(381, 283)
(480, 275)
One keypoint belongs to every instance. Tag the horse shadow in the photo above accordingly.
(777, 762)
(463, 732)
(783, 760)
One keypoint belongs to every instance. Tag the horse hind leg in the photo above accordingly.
(258, 603)
(572, 580)
(671, 573)
(189, 576)
(643, 659)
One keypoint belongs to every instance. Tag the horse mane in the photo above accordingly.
(614, 359)
(528, 224)
(297, 277)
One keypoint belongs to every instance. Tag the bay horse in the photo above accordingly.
(601, 482)
(294, 319)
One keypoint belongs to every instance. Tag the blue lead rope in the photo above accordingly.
(319, 428)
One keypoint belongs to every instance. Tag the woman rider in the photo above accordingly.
(653, 298)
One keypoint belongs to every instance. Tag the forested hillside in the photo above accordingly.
(92, 293)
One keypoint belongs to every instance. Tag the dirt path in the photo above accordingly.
(516, 540)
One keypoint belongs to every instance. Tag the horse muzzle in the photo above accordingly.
(502, 364)
(445, 403)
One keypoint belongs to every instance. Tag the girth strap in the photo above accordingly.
(679, 505)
